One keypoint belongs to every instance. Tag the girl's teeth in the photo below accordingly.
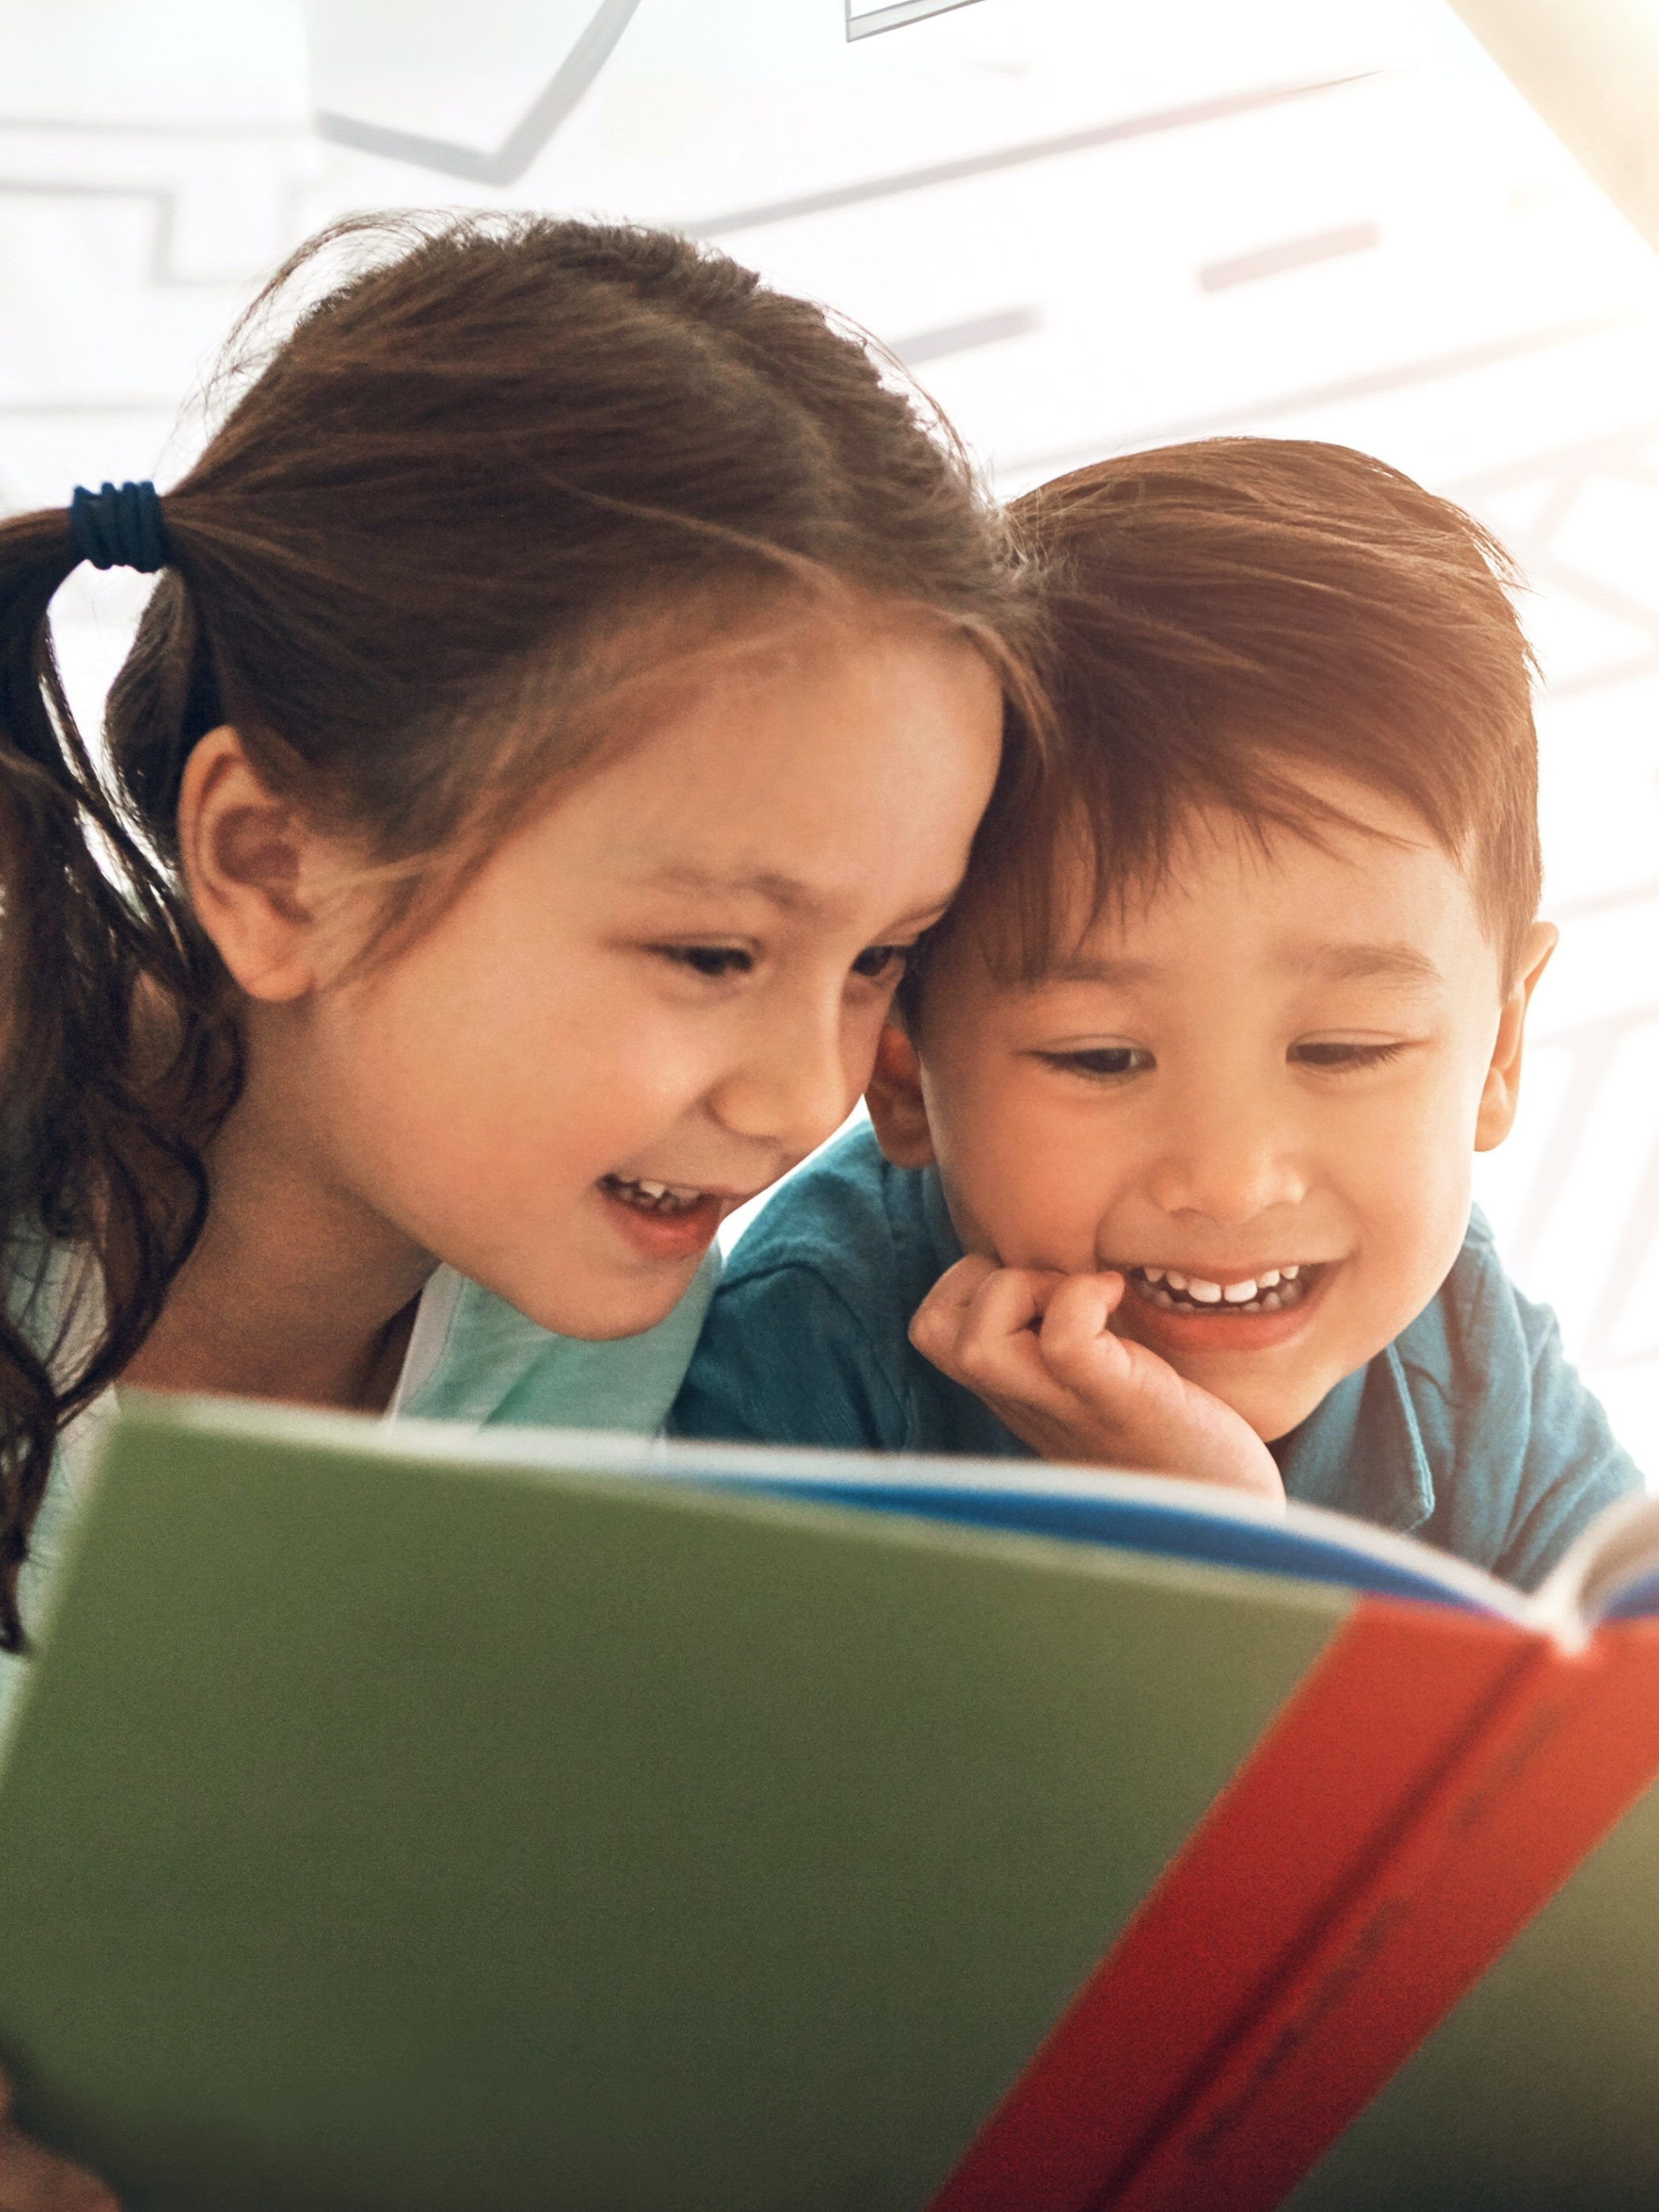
(1265, 1282)
(654, 1197)
(1208, 1294)
(1291, 1273)
(1175, 1282)
(1153, 1274)
(1239, 1294)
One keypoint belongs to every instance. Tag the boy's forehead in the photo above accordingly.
(1373, 897)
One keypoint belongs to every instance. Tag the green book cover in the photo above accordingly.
(397, 1818)
(395, 1822)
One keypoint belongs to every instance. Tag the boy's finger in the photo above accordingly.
(993, 1349)
(1045, 1281)
(1079, 1310)
(1009, 1303)
(957, 1285)
(937, 1322)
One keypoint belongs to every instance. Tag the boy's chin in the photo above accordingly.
(1273, 1403)
(1272, 1406)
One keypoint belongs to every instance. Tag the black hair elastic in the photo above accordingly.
(119, 527)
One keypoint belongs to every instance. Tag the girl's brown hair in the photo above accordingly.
(477, 457)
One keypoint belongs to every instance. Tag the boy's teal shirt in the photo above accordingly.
(1470, 1431)
(472, 1358)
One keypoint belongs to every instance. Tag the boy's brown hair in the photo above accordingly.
(1225, 616)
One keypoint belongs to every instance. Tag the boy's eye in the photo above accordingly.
(877, 963)
(1106, 1059)
(715, 961)
(1341, 1055)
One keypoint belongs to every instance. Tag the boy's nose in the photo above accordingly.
(1227, 1164)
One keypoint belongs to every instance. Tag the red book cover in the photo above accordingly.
(1434, 1781)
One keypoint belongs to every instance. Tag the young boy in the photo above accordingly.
(1170, 1158)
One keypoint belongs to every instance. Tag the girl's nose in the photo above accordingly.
(793, 1089)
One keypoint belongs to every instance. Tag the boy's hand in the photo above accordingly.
(35, 2179)
(1036, 1347)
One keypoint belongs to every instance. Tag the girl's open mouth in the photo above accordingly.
(664, 1220)
(652, 1197)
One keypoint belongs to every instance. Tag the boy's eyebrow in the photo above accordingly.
(1338, 962)
(1115, 975)
(1360, 963)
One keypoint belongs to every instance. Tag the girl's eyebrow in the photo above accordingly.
(787, 893)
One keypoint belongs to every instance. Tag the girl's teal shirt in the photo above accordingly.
(472, 1358)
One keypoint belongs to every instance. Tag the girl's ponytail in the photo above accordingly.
(115, 1060)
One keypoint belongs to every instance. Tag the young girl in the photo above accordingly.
(574, 678)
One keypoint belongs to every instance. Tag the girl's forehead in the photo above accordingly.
(795, 797)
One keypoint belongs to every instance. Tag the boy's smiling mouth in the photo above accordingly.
(1183, 1315)
(1273, 1290)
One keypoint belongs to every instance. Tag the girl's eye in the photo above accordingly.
(1104, 1060)
(715, 961)
(877, 963)
(1342, 1056)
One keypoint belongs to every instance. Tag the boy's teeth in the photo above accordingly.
(1264, 1293)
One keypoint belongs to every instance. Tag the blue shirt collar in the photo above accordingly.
(1361, 1449)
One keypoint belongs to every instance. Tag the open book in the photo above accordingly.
(398, 1818)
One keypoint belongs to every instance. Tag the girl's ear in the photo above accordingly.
(244, 853)
(1502, 1093)
(895, 1100)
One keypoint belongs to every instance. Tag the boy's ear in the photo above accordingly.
(895, 1101)
(1502, 1094)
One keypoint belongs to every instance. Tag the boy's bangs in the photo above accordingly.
(1235, 625)
(1032, 899)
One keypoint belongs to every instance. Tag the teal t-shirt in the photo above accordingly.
(1470, 1431)
(472, 1358)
